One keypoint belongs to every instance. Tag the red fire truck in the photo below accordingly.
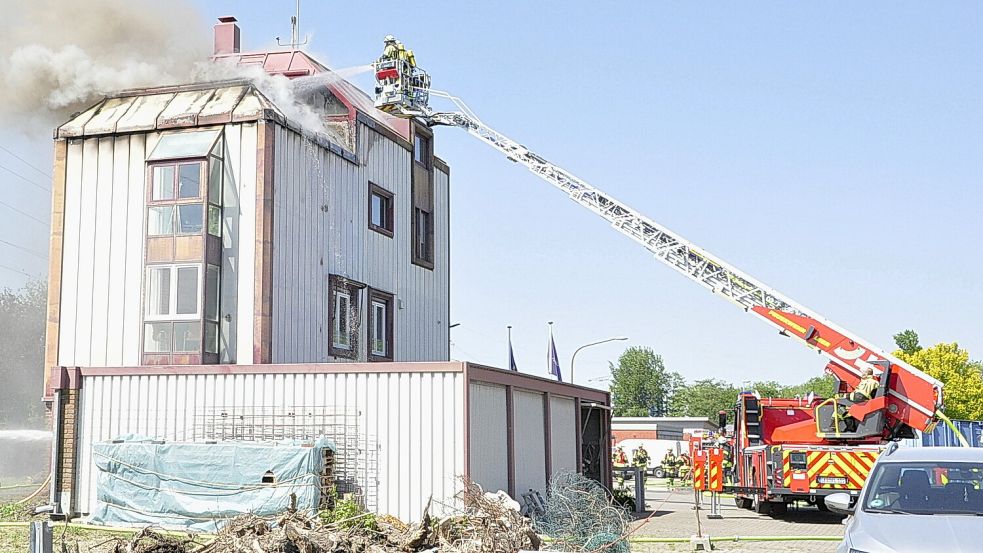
(785, 449)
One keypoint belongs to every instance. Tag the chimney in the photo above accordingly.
(226, 36)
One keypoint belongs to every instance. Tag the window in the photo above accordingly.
(176, 200)
(423, 236)
(173, 292)
(345, 316)
(380, 326)
(421, 150)
(422, 184)
(380, 210)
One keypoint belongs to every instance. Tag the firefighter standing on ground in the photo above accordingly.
(640, 459)
(669, 466)
(620, 462)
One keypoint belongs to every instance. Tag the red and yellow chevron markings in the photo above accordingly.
(838, 470)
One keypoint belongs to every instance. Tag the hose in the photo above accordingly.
(36, 492)
(949, 423)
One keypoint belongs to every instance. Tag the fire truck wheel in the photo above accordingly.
(659, 473)
(821, 504)
(760, 507)
(742, 502)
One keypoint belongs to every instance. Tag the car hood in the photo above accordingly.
(878, 533)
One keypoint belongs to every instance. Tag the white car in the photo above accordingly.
(918, 500)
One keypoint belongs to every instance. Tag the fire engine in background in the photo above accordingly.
(784, 449)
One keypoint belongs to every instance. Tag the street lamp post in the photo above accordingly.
(576, 351)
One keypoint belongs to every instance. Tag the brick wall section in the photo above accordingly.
(68, 435)
(619, 435)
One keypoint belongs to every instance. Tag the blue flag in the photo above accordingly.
(554, 361)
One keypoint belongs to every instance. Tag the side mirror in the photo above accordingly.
(839, 503)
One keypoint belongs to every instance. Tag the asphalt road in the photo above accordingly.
(671, 515)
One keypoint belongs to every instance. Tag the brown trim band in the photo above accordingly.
(55, 254)
(510, 436)
(300, 368)
(442, 166)
(385, 131)
(263, 261)
(502, 377)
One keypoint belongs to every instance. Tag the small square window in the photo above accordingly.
(187, 337)
(346, 319)
(214, 220)
(190, 218)
(163, 188)
(189, 180)
(341, 332)
(423, 235)
(215, 180)
(160, 220)
(380, 326)
(380, 210)
(157, 338)
(211, 337)
(187, 291)
(158, 291)
(421, 150)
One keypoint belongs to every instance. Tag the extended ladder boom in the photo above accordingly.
(912, 397)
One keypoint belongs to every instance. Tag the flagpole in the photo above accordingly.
(510, 346)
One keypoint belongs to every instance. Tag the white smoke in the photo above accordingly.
(57, 56)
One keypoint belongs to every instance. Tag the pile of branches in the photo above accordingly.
(488, 523)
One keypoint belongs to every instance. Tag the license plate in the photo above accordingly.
(832, 480)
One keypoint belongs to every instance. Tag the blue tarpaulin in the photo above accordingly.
(199, 486)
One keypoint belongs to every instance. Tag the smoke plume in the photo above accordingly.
(59, 55)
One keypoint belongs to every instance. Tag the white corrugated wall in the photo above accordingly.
(530, 441)
(410, 424)
(563, 434)
(489, 437)
(103, 263)
(321, 228)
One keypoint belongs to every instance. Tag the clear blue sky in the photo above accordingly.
(834, 152)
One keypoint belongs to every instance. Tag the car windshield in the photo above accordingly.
(932, 488)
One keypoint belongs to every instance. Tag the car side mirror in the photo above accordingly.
(839, 503)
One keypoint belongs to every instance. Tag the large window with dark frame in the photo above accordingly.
(380, 325)
(381, 210)
(345, 313)
(183, 249)
(422, 225)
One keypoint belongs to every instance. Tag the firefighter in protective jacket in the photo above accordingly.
(620, 462)
(640, 459)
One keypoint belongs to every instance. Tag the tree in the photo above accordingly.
(907, 341)
(704, 398)
(640, 384)
(963, 392)
(22, 320)
(821, 386)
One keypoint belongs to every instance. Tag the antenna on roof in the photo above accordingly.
(294, 31)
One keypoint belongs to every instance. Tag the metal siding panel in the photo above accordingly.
(530, 442)
(489, 437)
(116, 266)
(142, 116)
(132, 289)
(70, 260)
(102, 244)
(390, 406)
(247, 244)
(563, 434)
(87, 250)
